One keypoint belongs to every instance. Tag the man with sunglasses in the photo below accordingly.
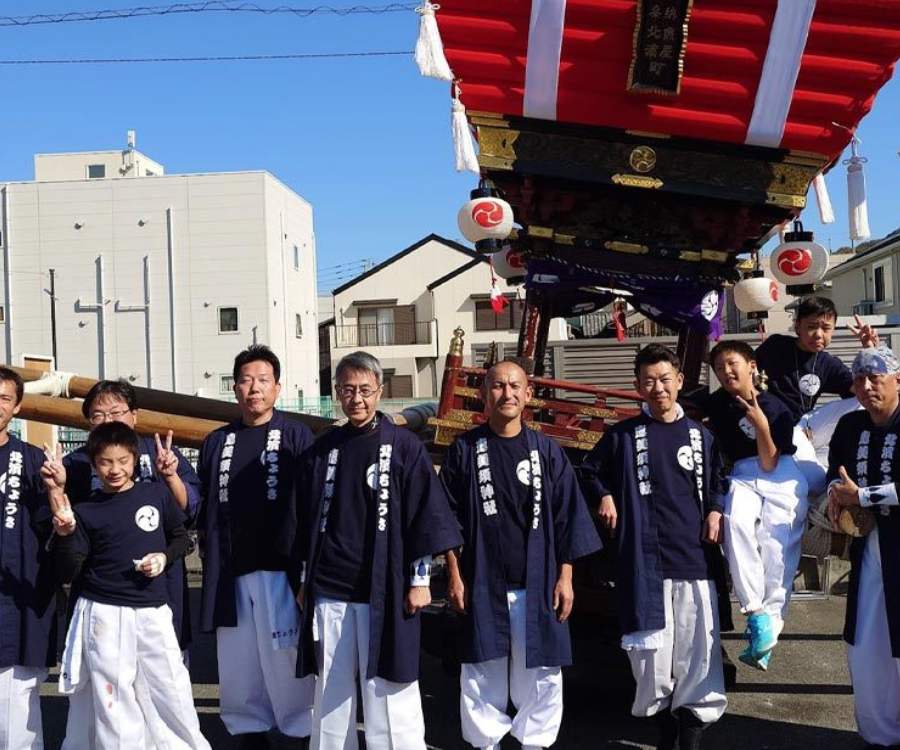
(370, 515)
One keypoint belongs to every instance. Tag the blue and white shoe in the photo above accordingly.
(762, 663)
(763, 637)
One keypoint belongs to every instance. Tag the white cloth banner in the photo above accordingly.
(545, 35)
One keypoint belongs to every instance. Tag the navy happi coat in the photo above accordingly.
(27, 602)
(419, 523)
(610, 469)
(218, 604)
(565, 532)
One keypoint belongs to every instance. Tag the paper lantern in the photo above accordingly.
(799, 261)
(508, 264)
(486, 220)
(756, 295)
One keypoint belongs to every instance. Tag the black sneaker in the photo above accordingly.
(253, 741)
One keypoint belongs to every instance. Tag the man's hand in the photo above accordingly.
(563, 594)
(63, 517)
(53, 472)
(456, 593)
(712, 528)
(151, 565)
(418, 597)
(166, 460)
(867, 335)
(755, 415)
(841, 494)
(300, 594)
(608, 514)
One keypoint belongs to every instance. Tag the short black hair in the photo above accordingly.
(112, 434)
(120, 389)
(732, 347)
(12, 376)
(256, 353)
(814, 307)
(653, 354)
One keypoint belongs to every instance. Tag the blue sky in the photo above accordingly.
(366, 141)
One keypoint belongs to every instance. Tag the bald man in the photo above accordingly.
(524, 522)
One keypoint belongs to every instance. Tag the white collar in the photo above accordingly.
(679, 410)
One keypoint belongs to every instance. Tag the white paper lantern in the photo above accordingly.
(799, 261)
(486, 220)
(755, 295)
(508, 264)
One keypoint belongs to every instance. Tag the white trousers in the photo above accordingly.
(128, 646)
(686, 671)
(258, 687)
(875, 674)
(392, 711)
(20, 708)
(486, 687)
(765, 517)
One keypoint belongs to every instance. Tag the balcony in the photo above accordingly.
(383, 334)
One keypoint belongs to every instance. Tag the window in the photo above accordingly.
(96, 171)
(397, 386)
(1, 239)
(228, 320)
(297, 257)
(226, 384)
(882, 283)
(508, 320)
(383, 326)
(299, 326)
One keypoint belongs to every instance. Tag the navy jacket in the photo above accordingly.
(565, 532)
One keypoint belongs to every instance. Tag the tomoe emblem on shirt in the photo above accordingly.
(523, 472)
(809, 384)
(372, 476)
(748, 429)
(147, 518)
(686, 458)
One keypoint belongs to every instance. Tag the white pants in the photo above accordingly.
(128, 646)
(686, 671)
(20, 708)
(486, 687)
(875, 674)
(258, 687)
(765, 517)
(392, 711)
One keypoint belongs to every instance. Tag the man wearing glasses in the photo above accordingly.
(371, 513)
(247, 525)
(116, 401)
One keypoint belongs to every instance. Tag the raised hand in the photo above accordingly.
(755, 415)
(63, 517)
(166, 460)
(866, 333)
(845, 491)
(53, 472)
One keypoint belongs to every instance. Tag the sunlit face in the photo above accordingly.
(109, 408)
(115, 468)
(506, 390)
(359, 393)
(814, 332)
(659, 384)
(256, 390)
(877, 393)
(9, 405)
(734, 372)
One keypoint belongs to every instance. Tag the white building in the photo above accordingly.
(159, 278)
(404, 312)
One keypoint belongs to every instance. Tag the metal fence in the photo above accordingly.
(383, 334)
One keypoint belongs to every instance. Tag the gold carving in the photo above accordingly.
(593, 411)
(456, 343)
(626, 247)
(564, 239)
(537, 403)
(790, 201)
(642, 159)
(462, 390)
(690, 255)
(589, 436)
(541, 232)
(714, 255)
(647, 134)
(637, 181)
(536, 426)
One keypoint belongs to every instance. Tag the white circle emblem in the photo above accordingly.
(372, 476)
(147, 518)
(748, 429)
(686, 458)
(523, 472)
(810, 384)
(709, 305)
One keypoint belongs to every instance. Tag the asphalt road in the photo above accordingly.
(804, 701)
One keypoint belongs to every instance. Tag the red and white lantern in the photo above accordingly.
(486, 220)
(799, 261)
(755, 296)
(509, 265)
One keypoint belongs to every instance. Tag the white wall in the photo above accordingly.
(127, 164)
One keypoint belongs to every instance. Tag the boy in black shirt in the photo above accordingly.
(765, 508)
(113, 544)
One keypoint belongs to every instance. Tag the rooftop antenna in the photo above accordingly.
(132, 139)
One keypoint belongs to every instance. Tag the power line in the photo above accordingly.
(113, 14)
(205, 58)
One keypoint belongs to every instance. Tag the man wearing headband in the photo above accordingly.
(863, 465)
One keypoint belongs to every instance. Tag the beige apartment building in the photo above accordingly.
(157, 278)
(868, 283)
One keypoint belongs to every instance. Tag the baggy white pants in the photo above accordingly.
(20, 708)
(875, 674)
(765, 517)
(686, 671)
(392, 711)
(258, 687)
(127, 645)
(485, 689)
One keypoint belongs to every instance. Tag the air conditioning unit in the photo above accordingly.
(864, 307)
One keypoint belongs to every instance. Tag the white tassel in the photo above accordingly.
(463, 146)
(826, 212)
(856, 194)
(429, 48)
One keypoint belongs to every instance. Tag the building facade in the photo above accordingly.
(159, 279)
(867, 283)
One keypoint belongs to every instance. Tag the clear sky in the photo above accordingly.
(365, 140)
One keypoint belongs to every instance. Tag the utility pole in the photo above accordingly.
(53, 318)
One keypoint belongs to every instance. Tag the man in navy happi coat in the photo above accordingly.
(371, 514)
(524, 523)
